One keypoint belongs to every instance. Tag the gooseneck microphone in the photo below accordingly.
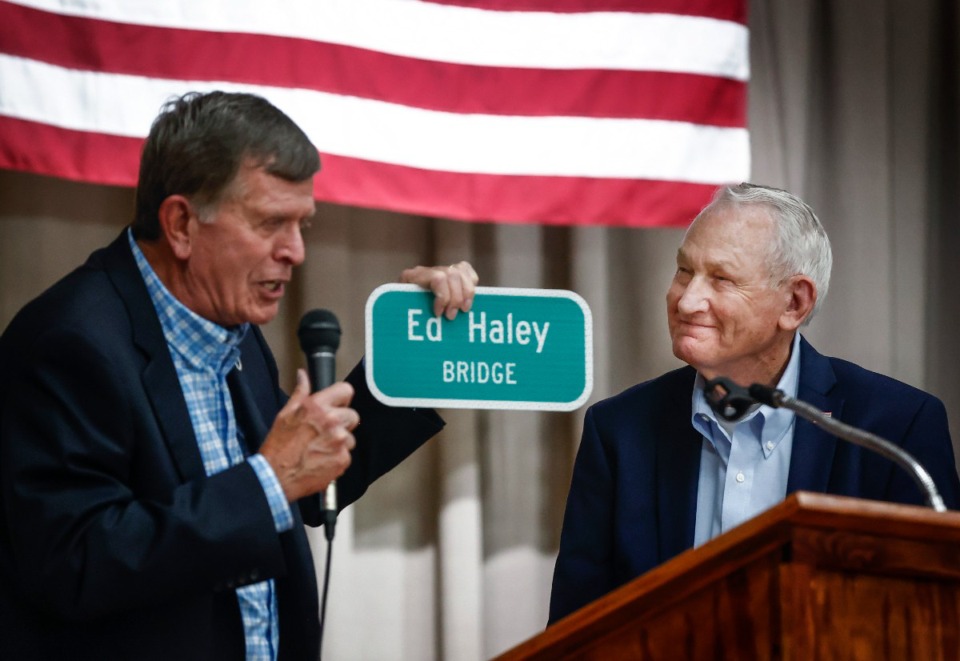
(731, 402)
(319, 335)
(727, 398)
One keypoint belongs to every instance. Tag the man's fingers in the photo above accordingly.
(321, 410)
(440, 286)
(330, 419)
(453, 286)
(468, 284)
(334, 441)
(328, 410)
(311, 440)
(337, 395)
(455, 289)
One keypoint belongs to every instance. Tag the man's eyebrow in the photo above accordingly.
(722, 265)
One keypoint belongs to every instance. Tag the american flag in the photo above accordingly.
(593, 112)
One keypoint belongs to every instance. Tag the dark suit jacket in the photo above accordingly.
(633, 498)
(114, 544)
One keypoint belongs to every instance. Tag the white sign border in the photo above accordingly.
(483, 403)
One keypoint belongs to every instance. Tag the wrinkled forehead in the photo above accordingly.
(731, 234)
(747, 224)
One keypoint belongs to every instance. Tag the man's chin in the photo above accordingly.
(263, 314)
(692, 352)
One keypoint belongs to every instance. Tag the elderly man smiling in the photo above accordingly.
(658, 473)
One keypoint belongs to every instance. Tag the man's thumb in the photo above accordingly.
(302, 389)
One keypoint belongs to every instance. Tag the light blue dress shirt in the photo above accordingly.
(743, 466)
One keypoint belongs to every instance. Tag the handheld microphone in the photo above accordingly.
(727, 399)
(319, 335)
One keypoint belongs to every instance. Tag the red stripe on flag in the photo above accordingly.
(509, 198)
(79, 155)
(723, 10)
(95, 45)
(114, 160)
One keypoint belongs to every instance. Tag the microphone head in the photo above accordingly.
(728, 400)
(319, 331)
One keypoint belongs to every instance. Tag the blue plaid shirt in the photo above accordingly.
(203, 354)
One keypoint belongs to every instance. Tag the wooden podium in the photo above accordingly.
(817, 577)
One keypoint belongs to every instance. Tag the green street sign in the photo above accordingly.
(515, 349)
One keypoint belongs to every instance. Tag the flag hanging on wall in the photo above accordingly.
(592, 112)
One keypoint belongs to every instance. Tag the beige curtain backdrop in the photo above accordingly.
(853, 105)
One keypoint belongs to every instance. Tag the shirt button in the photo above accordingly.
(769, 445)
(740, 477)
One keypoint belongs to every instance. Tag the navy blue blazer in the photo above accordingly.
(114, 544)
(633, 497)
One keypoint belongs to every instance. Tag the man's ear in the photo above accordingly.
(174, 216)
(802, 293)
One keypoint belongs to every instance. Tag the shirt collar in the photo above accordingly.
(770, 424)
(200, 342)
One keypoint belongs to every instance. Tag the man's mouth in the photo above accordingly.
(273, 286)
(692, 326)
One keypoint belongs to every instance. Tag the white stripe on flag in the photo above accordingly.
(389, 133)
(546, 40)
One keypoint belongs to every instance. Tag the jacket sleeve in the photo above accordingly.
(584, 568)
(927, 439)
(386, 436)
(99, 515)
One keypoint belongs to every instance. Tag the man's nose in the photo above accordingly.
(290, 247)
(695, 296)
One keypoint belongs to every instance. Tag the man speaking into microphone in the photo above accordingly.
(658, 472)
(154, 478)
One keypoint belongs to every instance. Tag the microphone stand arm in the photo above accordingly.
(867, 440)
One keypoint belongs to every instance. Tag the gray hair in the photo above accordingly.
(198, 143)
(802, 245)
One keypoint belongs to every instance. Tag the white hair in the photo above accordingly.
(802, 245)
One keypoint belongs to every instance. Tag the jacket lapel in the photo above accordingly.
(249, 417)
(813, 448)
(159, 376)
(678, 469)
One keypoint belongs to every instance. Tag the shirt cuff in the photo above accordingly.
(279, 507)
